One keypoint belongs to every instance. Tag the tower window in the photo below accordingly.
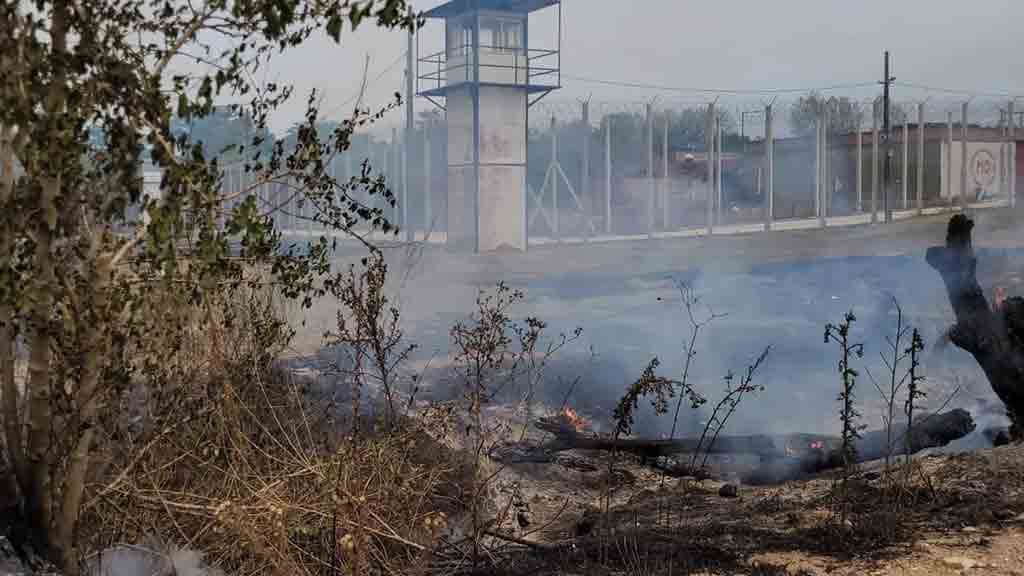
(501, 34)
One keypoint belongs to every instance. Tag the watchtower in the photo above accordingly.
(486, 79)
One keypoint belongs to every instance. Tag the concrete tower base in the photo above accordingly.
(487, 190)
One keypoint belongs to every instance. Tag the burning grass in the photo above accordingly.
(575, 420)
(268, 476)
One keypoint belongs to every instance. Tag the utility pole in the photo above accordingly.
(410, 128)
(886, 82)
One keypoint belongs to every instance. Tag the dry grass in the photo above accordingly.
(251, 467)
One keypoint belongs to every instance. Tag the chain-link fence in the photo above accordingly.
(608, 169)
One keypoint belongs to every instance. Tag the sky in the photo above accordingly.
(708, 44)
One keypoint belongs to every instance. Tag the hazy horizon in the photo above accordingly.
(704, 45)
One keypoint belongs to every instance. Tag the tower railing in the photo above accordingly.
(498, 65)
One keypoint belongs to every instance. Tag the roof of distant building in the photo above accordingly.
(456, 7)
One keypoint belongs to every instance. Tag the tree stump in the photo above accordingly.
(994, 336)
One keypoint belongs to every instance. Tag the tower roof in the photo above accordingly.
(456, 7)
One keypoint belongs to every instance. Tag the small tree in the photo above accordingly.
(369, 330)
(660, 390)
(896, 380)
(914, 391)
(486, 359)
(77, 268)
(690, 301)
(848, 414)
(725, 407)
(844, 114)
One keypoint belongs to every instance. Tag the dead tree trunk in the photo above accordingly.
(995, 337)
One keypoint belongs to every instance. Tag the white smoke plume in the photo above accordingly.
(149, 559)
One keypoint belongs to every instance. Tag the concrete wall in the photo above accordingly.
(984, 166)
(461, 172)
(502, 207)
(499, 213)
(1019, 173)
(460, 127)
(461, 207)
(502, 168)
(502, 125)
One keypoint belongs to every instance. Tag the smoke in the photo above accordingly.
(153, 559)
(777, 289)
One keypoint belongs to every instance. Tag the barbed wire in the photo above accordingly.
(718, 91)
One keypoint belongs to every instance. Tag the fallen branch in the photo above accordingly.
(523, 542)
(783, 457)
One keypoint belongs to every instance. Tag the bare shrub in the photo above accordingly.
(848, 413)
(247, 467)
(727, 406)
(690, 302)
(369, 333)
(896, 379)
(491, 351)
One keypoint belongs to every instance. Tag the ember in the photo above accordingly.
(577, 421)
(1000, 297)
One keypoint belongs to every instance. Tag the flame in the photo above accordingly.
(999, 297)
(574, 418)
(813, 445)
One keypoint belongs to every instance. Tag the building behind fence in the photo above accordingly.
(633, 170)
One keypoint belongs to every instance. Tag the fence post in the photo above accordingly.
(963, 155)
(874, 162)
(394, 175)
(949, 159)
(906, 162)
(666, 184)
(1004, 157)
(310, 216)
(826, 167)
(554, 178)
(920, 158)
(608, 175)
(709, 137)
(410, 126)
(650, 170)
(348, 165)
(1012, 164)
(585, 175)
(769, 149)
(292, 210)
(817, 166)
(371, 201)
(719, 195)
(860, 165)
(428, 184)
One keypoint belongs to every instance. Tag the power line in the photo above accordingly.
(376, 79)
(691, 90)
(987, 94)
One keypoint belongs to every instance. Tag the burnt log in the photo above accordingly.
(783, 457)
(994, 336)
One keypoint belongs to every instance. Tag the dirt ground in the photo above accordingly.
(957, 514)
